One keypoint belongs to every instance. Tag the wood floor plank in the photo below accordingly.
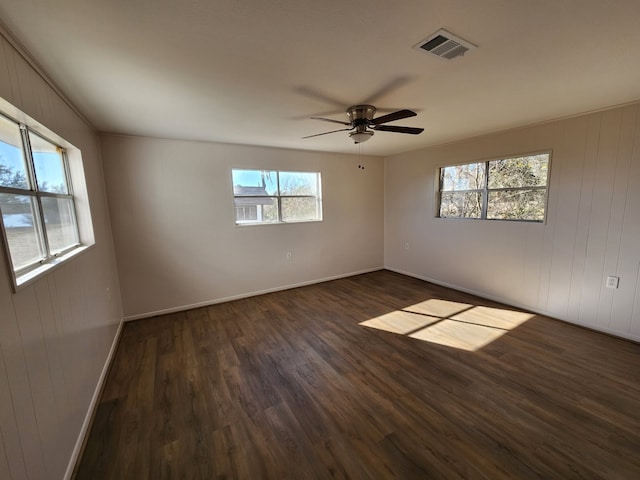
(306, 383)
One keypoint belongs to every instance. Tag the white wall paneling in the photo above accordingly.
(557, 268)
(56, 333)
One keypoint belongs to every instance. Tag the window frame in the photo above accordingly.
(26, 274)
(486, 190)
(278, 196)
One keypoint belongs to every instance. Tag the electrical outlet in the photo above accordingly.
(289, 256)
(612, 282)
(406, 245)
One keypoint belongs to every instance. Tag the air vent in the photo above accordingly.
(445, 45)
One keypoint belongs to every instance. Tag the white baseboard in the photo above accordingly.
(529, 308)
(466, 290)
(246, 295)
(86, 425)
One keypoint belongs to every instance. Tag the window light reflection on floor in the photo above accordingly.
(453, 324)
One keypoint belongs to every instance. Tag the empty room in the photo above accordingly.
(315, 240)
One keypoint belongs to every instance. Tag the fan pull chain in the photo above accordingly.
(360, 162)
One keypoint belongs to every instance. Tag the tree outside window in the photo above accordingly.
(506, 189)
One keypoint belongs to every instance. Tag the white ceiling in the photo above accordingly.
(253, 71)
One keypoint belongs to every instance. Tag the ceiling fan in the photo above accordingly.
(361, 124)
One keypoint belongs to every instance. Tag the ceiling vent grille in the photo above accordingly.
(445, 45)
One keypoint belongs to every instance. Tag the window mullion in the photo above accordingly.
(485, 193)
(515, 189)
(473, 190)
(440, 192)
(279, 197)
(54, 195)
(16, 191)
(33, 183)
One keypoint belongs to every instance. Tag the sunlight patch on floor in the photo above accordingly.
(400, 322)
(438, 308)
(453, 324)
(493, 317)
(465, 336)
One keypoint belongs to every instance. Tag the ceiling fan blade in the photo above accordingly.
(400, 114)
(394, 84)
(330, 120)
(320, 96)
(326, 133)
(391, 128)
(330, 112)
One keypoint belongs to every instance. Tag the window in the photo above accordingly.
(505, 189)
(267, 196)
(36, 199)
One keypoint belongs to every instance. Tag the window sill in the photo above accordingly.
(259, 224)
(26, 279)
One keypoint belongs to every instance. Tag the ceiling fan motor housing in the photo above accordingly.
(360, 117)
(361, 114)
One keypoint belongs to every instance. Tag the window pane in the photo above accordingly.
(463, 205)
(463, 177)
(299, 183)
(246, 213)
(19, 219)
(254, 182)
(517, 205)
(59, 223)
(48, 164)
(300, 209)
(256, 209)
(12, 167)
(529, 171)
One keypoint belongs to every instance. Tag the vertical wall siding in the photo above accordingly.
(558, 268)
(55, 335)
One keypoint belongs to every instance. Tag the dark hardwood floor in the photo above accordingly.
(291, 385)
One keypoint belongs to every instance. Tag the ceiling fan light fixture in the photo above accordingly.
(361, 136)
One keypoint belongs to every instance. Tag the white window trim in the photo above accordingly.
(78, 189)
(438, 191)
(317, 197)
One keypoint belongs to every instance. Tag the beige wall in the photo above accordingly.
(558, 268)
(177, 245)
(56, 334)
